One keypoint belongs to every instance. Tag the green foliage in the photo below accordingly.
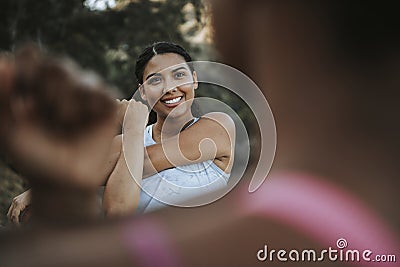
(106, 41)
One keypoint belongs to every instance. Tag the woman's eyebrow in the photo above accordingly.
(179, 68)
(158, 74)
(151, 75)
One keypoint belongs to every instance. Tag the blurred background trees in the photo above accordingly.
(107, 41)
(106, 36)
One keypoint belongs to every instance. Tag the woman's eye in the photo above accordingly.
(154, 80)
(180, 74)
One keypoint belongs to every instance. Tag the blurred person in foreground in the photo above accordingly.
(58, 125)
(330, 72)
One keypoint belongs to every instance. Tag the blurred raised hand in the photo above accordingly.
(60, 121)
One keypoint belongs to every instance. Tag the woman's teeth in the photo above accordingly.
(173, 101)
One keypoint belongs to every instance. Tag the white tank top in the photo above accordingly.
(178, 184)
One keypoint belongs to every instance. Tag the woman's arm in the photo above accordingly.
(212, 137)
(121, 194)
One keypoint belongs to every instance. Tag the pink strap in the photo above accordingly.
(323, 211)
(148, 244)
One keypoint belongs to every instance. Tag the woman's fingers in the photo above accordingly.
(13, 212)
(10, 213)
(14, 215)
(122, 106)
(136, 115)
(18, 204)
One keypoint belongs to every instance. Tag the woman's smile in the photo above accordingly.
(172, 101)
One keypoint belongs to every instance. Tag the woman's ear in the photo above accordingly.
(141, 91)
(196, 84)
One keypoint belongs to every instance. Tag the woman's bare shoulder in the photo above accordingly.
(221, 119)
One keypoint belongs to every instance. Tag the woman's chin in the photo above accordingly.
(179, 112)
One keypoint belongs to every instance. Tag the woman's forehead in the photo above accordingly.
(162, 61)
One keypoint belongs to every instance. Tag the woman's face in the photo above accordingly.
(167, 83)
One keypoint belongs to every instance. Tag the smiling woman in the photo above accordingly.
(202, 147)
(167, 82)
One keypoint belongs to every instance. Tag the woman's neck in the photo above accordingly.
(170, 127)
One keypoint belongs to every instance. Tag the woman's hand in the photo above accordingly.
(60, 121)
(136, 116)
(121, 110)
(18, 205)
(138, 112)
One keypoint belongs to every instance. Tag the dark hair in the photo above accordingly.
(158, 48)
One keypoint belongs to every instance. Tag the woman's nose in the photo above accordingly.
(169, 89)
(170, 84)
